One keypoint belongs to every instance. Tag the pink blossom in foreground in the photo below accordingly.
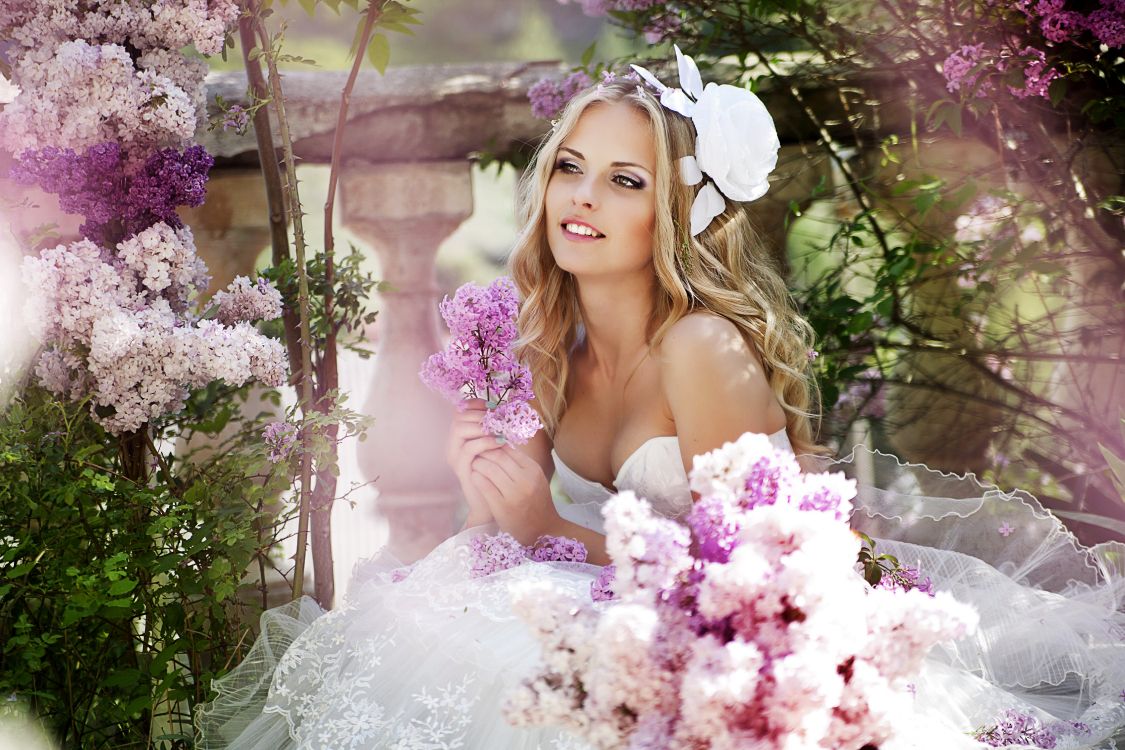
(765, 637)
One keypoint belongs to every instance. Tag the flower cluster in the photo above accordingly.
(117, 200)
(1017, 728)
(143, 23)
(281, 439)
(246, 301)
(118, 328)
(549, 96)
(81, 94)
(490, 554)
(1059, 24)
(760, 634)
(478, 361)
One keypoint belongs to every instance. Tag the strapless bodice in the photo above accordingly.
(654, 471)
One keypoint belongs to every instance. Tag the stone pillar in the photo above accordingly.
(405, 211)
(231, 228)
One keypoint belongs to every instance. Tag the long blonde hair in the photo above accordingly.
(727, 272)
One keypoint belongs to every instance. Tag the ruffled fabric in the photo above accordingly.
(417, 657)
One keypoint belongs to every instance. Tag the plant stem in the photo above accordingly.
(305, 384)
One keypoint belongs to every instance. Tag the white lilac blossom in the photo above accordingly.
(760, 634)
(478, 361)
(80, 94)
(247, 301)
(142, 23)
(118, 328)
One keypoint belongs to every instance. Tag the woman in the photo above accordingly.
(655, 331)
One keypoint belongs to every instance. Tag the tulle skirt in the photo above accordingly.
(424, 661)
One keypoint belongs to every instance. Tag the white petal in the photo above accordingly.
(690, 81)
(677, 101)
(708, 204)
(643, 73)
(689, 171)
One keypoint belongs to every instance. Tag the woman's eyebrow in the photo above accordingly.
(614, 164)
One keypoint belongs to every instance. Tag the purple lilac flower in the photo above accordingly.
(1108, 25)
(116, 201)
(1062, 26)
(906, 578)
(490, 554)
(549, 96)
(958, 65)
(236, 118)
(1016, 728)
(601, 588)
(714, 528)
(1036, 79)
(478, 361)
(280, 438)
(662, 27)
(557, 549)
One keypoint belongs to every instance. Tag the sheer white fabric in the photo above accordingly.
(423, 662)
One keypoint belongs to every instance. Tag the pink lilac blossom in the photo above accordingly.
(958, 69)
(281, 438)
(601, 588)
(767, 637)
(247, 301)
(662, 27)
(1036, 78)
(85, 94)
(906, 578)
(489, 554)
(1014, 727)
(549, 96)
(478, 361)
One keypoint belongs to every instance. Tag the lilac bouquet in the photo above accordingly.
(748, 627)
(478, 361)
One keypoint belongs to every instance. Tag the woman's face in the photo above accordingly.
(601, 198)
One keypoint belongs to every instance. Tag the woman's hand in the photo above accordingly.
(467, 440)
(516, 490)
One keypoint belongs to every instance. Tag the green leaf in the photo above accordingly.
(379, 52)
(124, 586)
(588, 55)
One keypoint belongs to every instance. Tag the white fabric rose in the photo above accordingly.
(736, 142)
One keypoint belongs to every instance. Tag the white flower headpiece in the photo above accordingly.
(736, 143)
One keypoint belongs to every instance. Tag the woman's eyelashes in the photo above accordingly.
(623, 180)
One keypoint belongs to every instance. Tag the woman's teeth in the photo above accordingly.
(581, 229)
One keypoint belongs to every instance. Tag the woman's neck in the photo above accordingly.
(616, 314)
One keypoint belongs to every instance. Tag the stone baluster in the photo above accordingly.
(404, 211)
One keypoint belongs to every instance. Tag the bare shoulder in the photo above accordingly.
(706, 339)
(715, 383)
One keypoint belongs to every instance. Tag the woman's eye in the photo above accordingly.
(567, 166)
(627, 181)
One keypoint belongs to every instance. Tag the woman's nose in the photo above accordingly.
(585, 193)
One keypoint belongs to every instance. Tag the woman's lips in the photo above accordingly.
(579, 237)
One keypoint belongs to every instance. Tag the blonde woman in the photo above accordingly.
(656, 329)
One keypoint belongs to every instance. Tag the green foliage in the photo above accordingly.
(353, 287)
(118, 599)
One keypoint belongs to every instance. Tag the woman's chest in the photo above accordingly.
(606, 423)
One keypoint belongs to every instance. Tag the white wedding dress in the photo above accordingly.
(424, 661)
